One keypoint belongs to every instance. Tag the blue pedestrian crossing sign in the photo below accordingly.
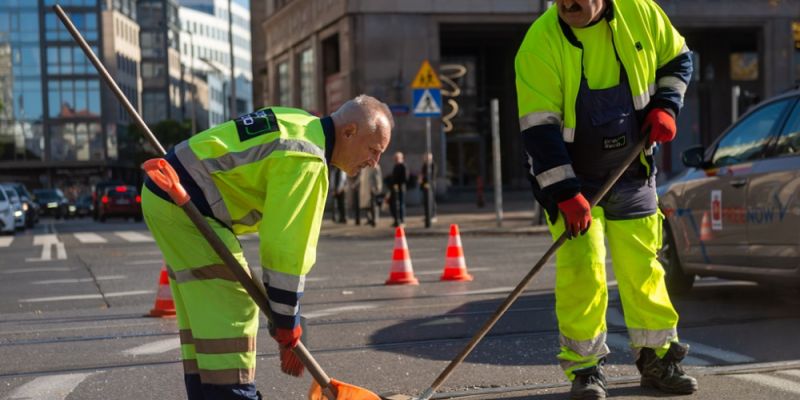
(427, 102)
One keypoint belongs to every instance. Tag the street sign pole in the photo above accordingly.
(498, 179)
(428, 171)
(427, 102)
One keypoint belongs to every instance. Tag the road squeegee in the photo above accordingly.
(512, 297)
(161, 172)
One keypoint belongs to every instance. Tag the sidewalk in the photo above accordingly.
(518, 219)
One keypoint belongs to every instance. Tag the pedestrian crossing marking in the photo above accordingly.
(132, 236)
(6, 241)
(774, 382)
(89, 237)
(157, 347)
(53, 387)
(621, 342)
(720, 354)
(78, 280)
(86, 296)
(48, 242)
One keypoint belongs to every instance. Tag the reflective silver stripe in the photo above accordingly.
(214, 271)
(539, 118)
(530, 162)
(283, 309)
(233, 376)
(283, 281)
(198, 171)
(652, 338)
(592, 349)
(250, 219)
(568, 134)
(555, 175)
(245, 344)
(673, 83)
(641, 101)
(684, 49)
(229, 161)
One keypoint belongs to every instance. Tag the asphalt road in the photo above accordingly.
(73, 295)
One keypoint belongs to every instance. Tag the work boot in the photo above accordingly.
(666, 374)
(589, 384)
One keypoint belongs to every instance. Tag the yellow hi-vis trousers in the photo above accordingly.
(582, 294)
(217, 319)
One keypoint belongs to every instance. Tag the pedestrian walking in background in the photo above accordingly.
(370, 189)
(399, 180)
(353, 198)
(593, 76)
(264, 172)
(338, 186)
(427, 180)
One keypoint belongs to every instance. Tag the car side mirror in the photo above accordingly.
(694, 157)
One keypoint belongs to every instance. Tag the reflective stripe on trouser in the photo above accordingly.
(582, 295)
(218, 321)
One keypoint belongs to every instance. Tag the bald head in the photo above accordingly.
(363, 131)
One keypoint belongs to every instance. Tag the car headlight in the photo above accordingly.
(17, 214)
(72, 208)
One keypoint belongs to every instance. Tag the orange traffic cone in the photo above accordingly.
(455, 267)
(705, 228)
(164, 306)
(402, 272)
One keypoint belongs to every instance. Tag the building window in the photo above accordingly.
(152, 70)
(76, 142)
(154, 106)
(74, 98)
(307, 92)
(284, 85)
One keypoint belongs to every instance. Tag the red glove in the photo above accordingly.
(577, 215)
(660, 124)
(287, 340)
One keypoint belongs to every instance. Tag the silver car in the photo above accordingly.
(735, 212)
(16, 206)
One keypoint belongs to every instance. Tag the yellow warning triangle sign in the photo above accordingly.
(426, 77)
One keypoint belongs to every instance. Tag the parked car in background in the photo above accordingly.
(120, 201)
(53, 202)
(735, 212)
(6, 214)
(83, 206)
(97, 193)
(16, 206)
(29, 207)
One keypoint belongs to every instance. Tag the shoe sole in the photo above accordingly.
(653, 384)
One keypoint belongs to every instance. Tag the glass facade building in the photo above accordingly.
(57, 125)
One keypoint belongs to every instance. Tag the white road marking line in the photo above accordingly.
(133, 236)
(791, 372)
(337, 310)
(316, 279)
(48, 242)
(145, 262)
(80, 280)
(505, 289)
(774, 382)
(439, 272)
(85, 296)
(621, 342)
(89, 237)
(40, 269)
(719, 354)
(53, 387)
(615, 317)
(6, 241)
(158, 347)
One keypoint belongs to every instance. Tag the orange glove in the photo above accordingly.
(287, 340)
(577, 215)
(660, 124)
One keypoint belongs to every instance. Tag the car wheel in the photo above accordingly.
(678, 282)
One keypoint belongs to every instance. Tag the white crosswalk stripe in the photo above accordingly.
(6, 241)
(132, 236)
(621, 343)
(719, 354)
(157, 347)
(89, 237)
(86, 296)
(53, 387)
(774, 382)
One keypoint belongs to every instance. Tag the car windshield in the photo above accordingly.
(3, 197)
(48, 195)
(12, 195)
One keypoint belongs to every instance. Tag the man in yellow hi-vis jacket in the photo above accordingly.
(593, 76)
(264, 172)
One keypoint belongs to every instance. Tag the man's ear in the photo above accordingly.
(350, 130)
